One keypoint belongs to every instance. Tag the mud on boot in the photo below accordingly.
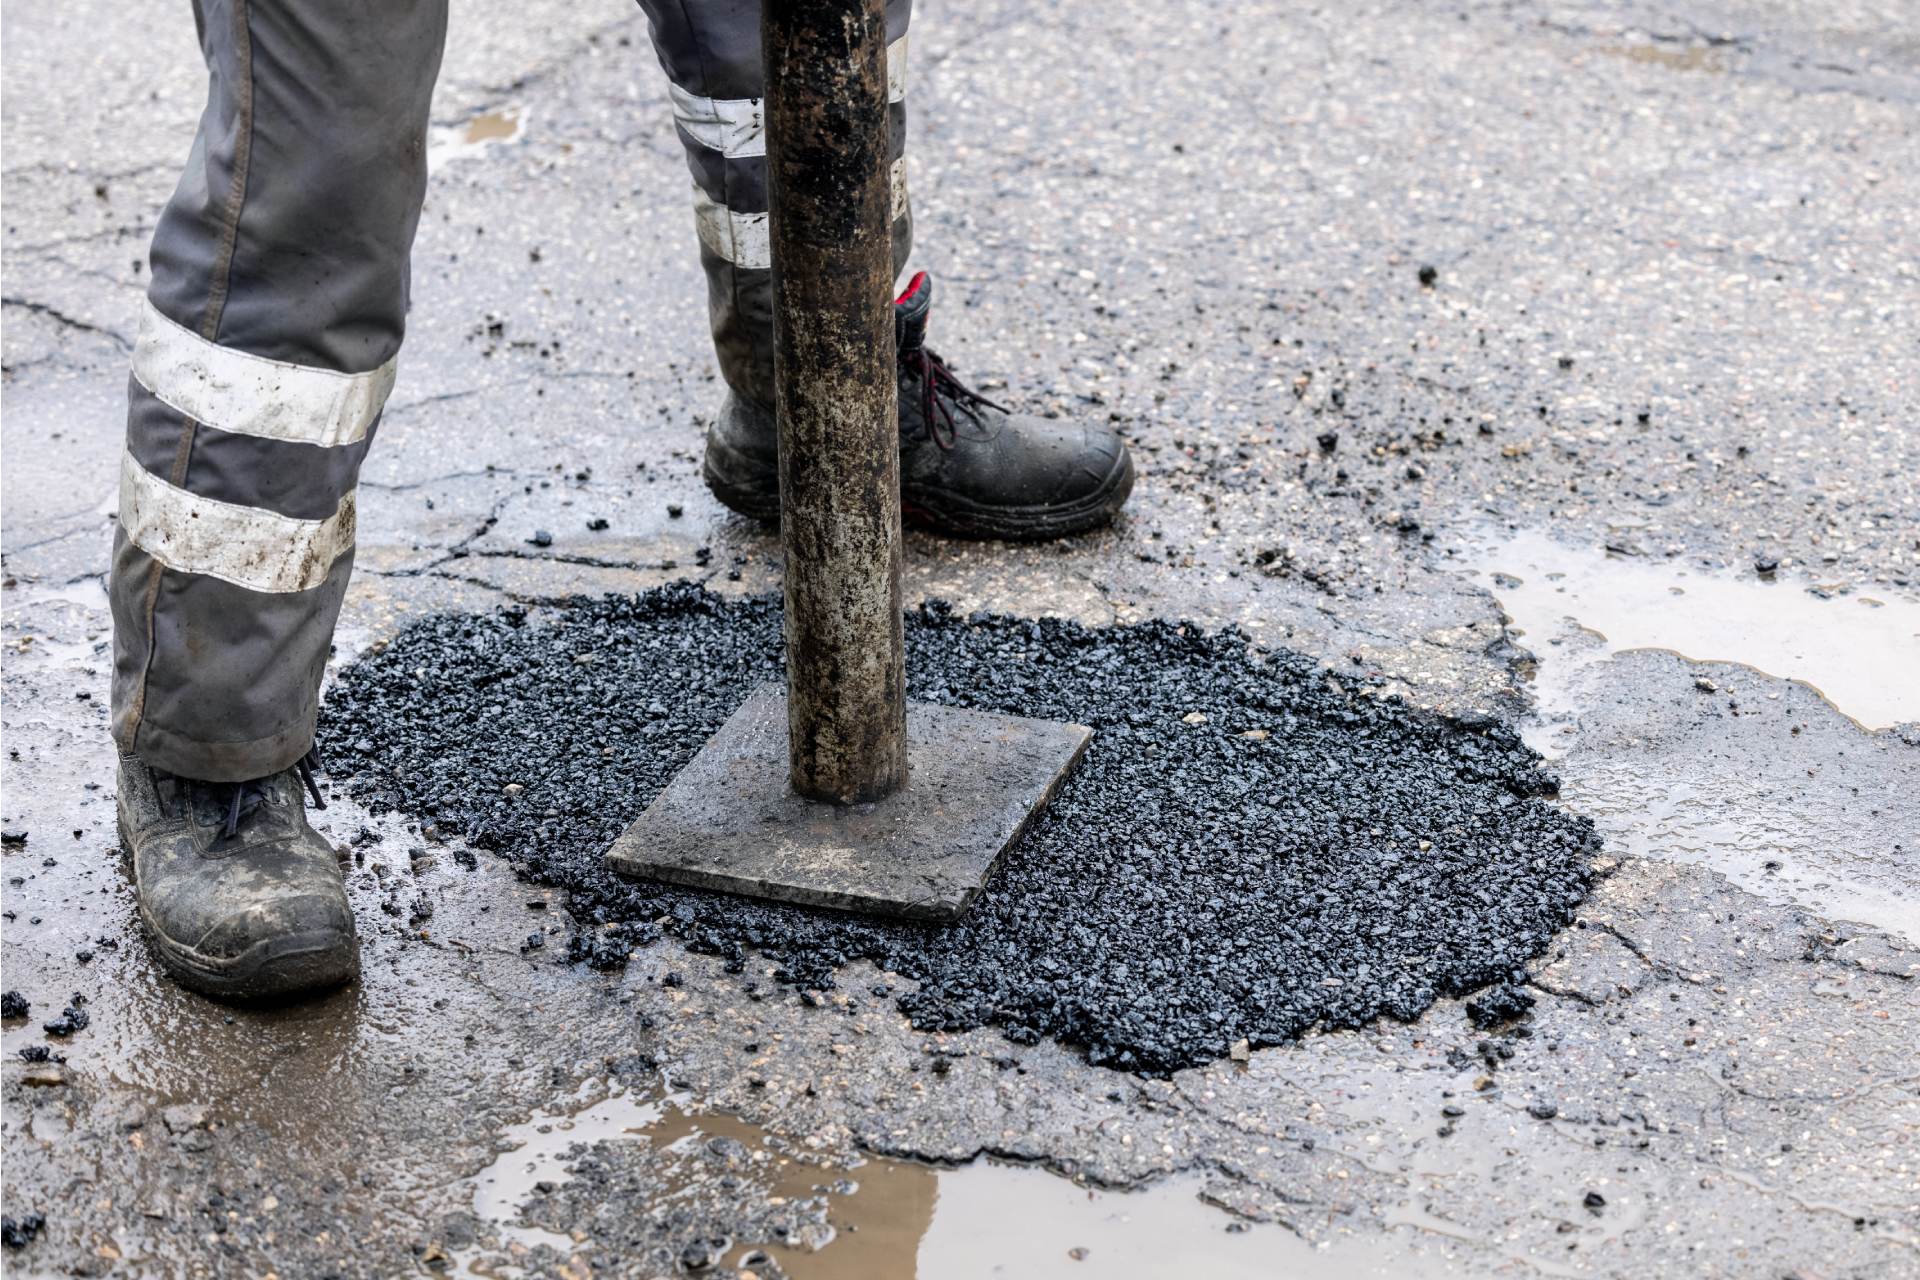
(240, 897)
(968, 467)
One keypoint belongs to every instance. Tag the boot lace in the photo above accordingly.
(940, 394)
(245, 797)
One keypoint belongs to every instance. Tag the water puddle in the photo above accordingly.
(1805, 849)
(469, 138)
(1793, 810)
(539, 1154)
(87, 594)
(1574, 606)
(68, 624)
(1688, 57)
(1009, 1220)
(892, 1219)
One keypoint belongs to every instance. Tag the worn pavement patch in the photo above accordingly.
(1250, 849)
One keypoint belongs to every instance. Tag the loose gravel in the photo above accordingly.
(1252, 847)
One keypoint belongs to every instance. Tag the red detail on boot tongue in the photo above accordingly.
(913, 287)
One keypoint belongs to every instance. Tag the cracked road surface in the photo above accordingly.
(1458, 349)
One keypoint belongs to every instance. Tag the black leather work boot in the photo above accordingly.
(968, 467)
(240, 898)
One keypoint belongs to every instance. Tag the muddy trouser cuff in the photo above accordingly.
(266, 350)
(711, 54)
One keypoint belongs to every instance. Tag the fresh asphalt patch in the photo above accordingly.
(1252, 847)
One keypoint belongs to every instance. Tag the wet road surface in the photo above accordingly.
(1434, 306)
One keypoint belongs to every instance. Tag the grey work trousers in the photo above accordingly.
(268, 339)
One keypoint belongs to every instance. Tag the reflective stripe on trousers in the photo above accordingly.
(266, 350)
(268, 341)
(710, 50)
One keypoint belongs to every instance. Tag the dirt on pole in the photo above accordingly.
(831, 227)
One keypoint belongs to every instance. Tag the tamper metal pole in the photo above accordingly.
(835, 395)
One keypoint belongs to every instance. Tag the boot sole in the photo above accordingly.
(754, 501)
(292, 964)
(954, 516)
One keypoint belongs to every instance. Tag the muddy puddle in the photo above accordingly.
(472, 136)
(1689, 57)
(884, 1219)
(1576, 606)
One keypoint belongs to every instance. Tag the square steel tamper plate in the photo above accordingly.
(730, 821)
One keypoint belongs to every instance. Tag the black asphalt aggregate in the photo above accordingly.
(1252, 847)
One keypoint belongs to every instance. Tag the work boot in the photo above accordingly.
(240, 898)
(968, 467)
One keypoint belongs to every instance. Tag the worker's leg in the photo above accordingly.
(966, 466)
(711, 52)
(266, 349)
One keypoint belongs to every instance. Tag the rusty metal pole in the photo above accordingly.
(802, 797)
(835, 397)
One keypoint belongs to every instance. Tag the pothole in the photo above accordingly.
(692, 1190)
(1759, 728)
(1252, 847)
(1574, 606)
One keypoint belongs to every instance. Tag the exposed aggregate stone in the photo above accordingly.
(1250, 848)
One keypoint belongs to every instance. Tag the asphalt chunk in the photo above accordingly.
(72, 1018)
(1305, 855)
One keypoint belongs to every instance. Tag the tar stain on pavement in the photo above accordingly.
(1252, 847)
